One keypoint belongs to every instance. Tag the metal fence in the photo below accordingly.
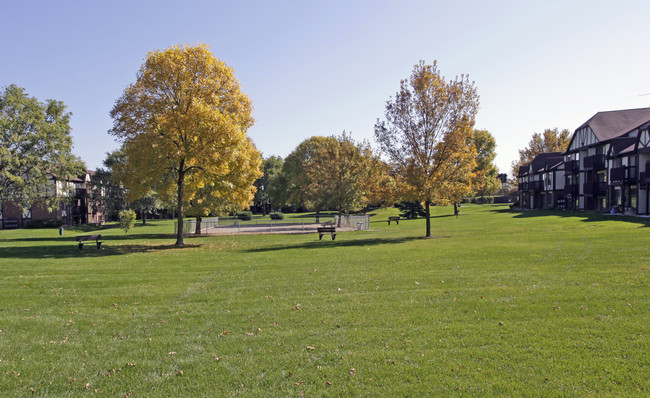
(189, 226)
(231, 225)
(361, 223)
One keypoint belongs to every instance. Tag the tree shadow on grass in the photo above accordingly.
(89, 250)
(584, 216)
(70, 238)
(328, 243)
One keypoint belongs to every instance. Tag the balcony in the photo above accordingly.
(644, 177)
(597, 162)
(572, 167)
(595, 188)
(623, 174)
(536, 186)
(571, 189)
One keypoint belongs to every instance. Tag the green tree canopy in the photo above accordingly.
(35, 145)
(293, 177)
(266, 183)
(107, 196)
(338, 175)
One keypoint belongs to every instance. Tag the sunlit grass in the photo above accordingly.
(498, 303)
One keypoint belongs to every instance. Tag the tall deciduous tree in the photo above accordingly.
(551, 140)
(35, 144)
(486, 172)
(339, 175)
(427, 135)
(183, 125)
(294, 177)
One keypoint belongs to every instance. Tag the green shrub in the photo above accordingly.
(51, 223)
(411, 210)
(276, 216)
(245, 215)
(127, 220)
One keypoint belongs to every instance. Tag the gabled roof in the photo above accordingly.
(546, 161)
(611, 124)
(623, 145)
(523, 170)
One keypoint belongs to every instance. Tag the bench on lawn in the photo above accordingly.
(394, 218)
(87, 238)
(326, 229)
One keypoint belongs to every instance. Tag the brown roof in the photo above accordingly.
(546, 161)
(611, 124)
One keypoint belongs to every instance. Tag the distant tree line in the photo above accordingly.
(182, 127)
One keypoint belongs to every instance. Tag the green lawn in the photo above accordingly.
(499, 303)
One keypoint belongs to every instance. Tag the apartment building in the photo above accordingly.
(74, 208)
(606, 166)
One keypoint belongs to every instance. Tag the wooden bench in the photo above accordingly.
(329, 229)
(394, 218)
(87, 238)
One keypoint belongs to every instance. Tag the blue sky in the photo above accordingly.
(321, 67)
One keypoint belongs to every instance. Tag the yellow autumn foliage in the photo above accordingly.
(183, 126)
(428, 137)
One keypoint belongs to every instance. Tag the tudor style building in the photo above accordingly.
(74, 209)
(606, 166)
(543, 182)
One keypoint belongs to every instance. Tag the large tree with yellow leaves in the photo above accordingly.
(427, 135)
(183, 126)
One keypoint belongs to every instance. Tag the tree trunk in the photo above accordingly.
(144, 217)
(340, 216)
(197, 230)
(179, 208)
(456, 209)
(428, 220)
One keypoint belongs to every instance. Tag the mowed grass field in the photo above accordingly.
(499, 303)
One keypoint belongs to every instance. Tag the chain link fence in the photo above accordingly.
(233, 226)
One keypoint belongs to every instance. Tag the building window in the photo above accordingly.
(631, 161)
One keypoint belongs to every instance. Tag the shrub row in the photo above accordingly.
(52, 223)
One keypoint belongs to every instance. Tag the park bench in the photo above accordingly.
(87, 238)
(394, 218)
(326, 229)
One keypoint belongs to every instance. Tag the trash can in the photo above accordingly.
(61, 231)
(359, 226)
